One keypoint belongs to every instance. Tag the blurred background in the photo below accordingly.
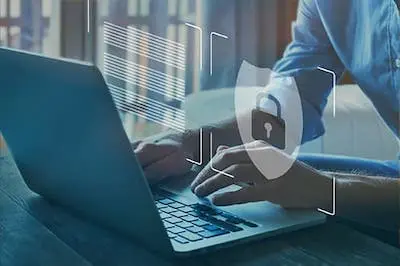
(257, 31)
(74, 29)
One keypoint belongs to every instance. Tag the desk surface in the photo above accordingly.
(36, 232)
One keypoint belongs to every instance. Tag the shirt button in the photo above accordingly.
(397, 62)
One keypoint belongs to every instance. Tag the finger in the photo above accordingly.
(221, 148)
(258, 144)
(222, 160)
(244, 195)
(243, 173)
(213, 184)
(170, 165)
(227, 157)
(136, 144)
(148, 153)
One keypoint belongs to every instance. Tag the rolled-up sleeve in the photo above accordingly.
(310, 49)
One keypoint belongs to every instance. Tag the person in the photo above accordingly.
(362, 37)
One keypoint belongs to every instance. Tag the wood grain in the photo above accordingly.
(24, 241)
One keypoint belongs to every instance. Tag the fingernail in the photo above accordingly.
(216, 201)
(198, 191)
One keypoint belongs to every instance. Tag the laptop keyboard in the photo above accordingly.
(187, 222)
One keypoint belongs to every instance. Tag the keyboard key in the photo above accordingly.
(171, 235)
(189, 218)
(180, 240)
(167, 225)
(166, 201)
(168, 209)
(195, 229)
(176, 205)
(186, 209)
(164, 215)
(160, 205)
(175, 230)
(200, 223)
(211, 227)
(223, 224)
(208, 234)
(205, 209)
(185, 201)
(231, 218)
(184, 224)
(178, 214)
(250, 224)
(173, 220)
(194, 213)
(234, 220)
(190, 236)
(180, 199)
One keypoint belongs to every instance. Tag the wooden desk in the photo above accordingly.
(35, 232)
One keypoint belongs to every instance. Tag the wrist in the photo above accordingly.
(325, 193)
(196, 143)
(190, 140)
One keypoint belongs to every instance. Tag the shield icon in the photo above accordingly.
(251, 83)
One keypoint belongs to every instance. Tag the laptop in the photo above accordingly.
(67, 139)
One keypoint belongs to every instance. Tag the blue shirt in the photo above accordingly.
(360, 36)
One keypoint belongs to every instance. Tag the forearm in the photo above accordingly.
(369, 200)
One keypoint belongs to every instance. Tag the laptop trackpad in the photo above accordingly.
(258, 212)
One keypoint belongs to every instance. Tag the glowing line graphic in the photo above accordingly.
(122, 71)
(333, 201)
(139, 81)
(152, 36)
(137, 108)
(201, 42)
(149, 79)
(147, 102)
(130, 74)
(154, 77)
(143, 75)
(211, 160)
(333, 87)
(153, 47)
(201, 150)
(212, 34)
(169, 121)
(140, 106)
(131, 48)
(122, 108)
(166, 52)
(154, 74)
(88, 15)
(144, 98)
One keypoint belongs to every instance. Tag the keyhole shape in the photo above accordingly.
(268, 128)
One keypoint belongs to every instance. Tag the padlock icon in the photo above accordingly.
(268, 127)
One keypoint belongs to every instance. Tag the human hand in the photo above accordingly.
(162, 157)
(300, 187)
